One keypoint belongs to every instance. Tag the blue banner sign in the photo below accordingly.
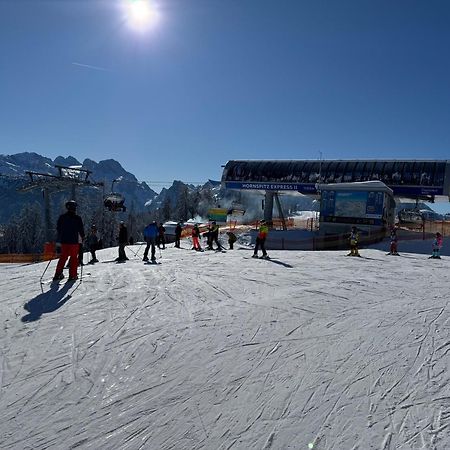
(310, 188)
(303, 188)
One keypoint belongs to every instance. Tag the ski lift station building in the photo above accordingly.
(357, 192)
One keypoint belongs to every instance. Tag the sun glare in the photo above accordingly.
(141, 14)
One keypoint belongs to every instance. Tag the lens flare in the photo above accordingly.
(141, 14)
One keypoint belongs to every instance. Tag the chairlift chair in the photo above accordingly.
(410, 216)
(115, 202)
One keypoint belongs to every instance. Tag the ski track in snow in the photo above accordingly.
(214, 351)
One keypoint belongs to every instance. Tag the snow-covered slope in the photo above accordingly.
(219, 351)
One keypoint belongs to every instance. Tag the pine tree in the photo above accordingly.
(31, 229)
(166, 210)
(182, 206)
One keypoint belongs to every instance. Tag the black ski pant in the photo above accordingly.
(177, 241)
(162, 241)
(122, 255)
(215, 240)
(150, 242)
(260, 244)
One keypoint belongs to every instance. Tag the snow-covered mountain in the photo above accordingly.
(13, 169)
(311, 350)
(178, 202)
(19, 163)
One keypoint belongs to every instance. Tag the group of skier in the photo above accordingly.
(393, 247)
(211, 235)
(70, 232)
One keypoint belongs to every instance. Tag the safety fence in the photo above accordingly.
(17, 258)
(433, 226)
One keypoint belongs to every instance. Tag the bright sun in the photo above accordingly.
(141, 14)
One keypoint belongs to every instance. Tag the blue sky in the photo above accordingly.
(215, 80)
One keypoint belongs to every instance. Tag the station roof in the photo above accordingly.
(425, 179)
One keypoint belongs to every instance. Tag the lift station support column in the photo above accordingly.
(268, 206)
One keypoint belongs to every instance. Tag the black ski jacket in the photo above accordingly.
(123, 235)
(69, 228)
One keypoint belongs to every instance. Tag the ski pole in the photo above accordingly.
(139, 249)
(132, 251)
(81, 270)
(45, 270)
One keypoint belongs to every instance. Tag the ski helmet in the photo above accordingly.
(71, 205)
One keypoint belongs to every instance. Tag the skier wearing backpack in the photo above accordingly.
(150, 236)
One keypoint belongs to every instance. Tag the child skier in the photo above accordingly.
(195, 238)
(394, 242)
(354, 238)
(93, 242)
(436, 247)
(231, 239)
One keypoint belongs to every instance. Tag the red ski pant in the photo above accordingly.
(68, 250)
(195, 242)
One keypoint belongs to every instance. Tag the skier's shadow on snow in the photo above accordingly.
(46, 302)
(280, 263)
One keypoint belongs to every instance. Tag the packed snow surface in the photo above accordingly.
(221, 351)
